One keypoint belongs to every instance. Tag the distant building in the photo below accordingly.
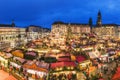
(119, 31)
(36, 32)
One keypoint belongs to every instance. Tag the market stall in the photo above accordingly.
(104, 58)
(64, 69)
(36, 70)
(16, 64)
(30, 55)
(85, 64)
(4, 59)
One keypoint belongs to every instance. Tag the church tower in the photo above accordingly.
(13, 24)
(99, 22)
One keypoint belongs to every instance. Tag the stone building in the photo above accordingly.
(60, 31)
(105, 30)
(10, 34)
(36, 32)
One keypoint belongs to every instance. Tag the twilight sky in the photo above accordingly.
(45, 12)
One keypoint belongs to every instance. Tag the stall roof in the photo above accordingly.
(8, 55)
(63, 54)
(18, 53)
(42, 65)
(2, 53)
(63, 59)
(39, 67)
(62, 64)
(20, 59)
(33, 53)
(80, 58)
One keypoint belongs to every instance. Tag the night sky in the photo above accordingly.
(45, 12)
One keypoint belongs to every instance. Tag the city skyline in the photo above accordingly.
(44, 12)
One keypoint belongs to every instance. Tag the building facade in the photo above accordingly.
(36, 32)
(9, 35)
(105, 30)
(60, 31)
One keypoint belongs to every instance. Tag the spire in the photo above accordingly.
(99, 22)
(13, 24)
(99, 13)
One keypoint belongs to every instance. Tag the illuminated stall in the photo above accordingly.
(104, 58)
(4, 58)
(82, 62)
(85, 64)
(30, 55)
(36, 70)
(16, 64)
(63, 68)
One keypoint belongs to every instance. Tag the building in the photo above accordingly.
(61, 31)
(105, 30)
(36, 32)
(10, 35)
(119, 31)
